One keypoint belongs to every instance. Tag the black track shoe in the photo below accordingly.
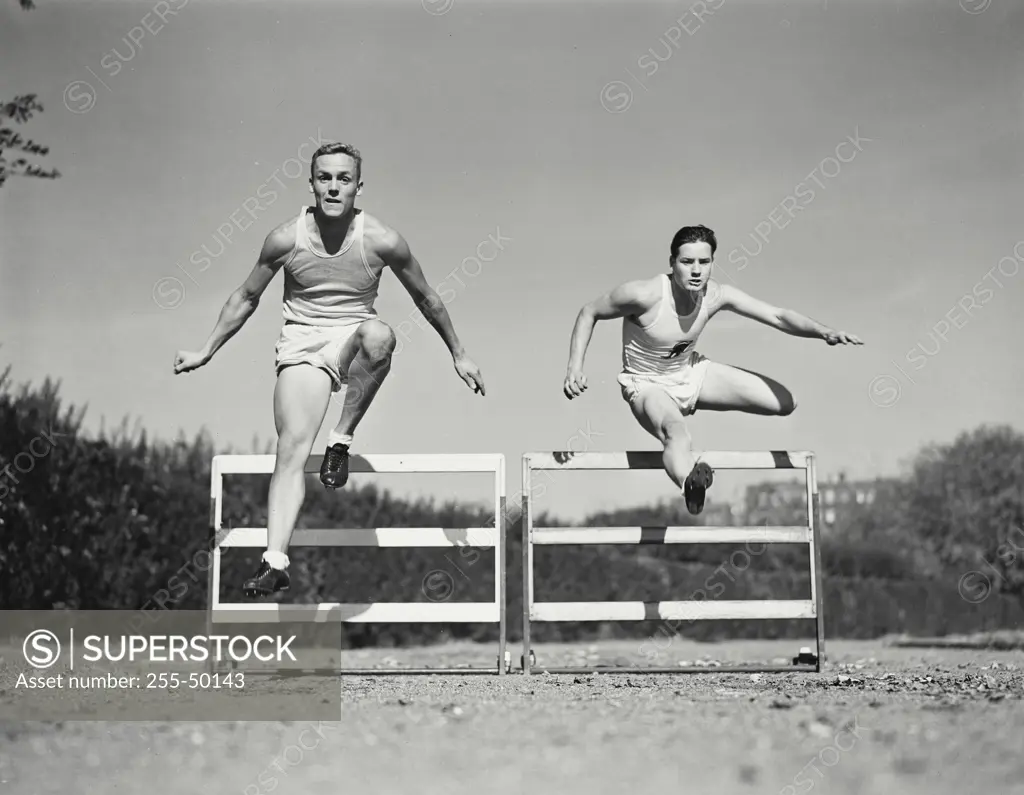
(334, 469)
(267, 581)
(696, 485)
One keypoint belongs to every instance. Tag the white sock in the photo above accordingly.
(334, 438)
(277, 560)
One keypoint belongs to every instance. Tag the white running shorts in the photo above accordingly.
(683, 386)
(319, 346)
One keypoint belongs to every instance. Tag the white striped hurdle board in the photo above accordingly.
(408, 537)
(672, 610)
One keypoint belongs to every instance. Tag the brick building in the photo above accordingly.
(786, 503)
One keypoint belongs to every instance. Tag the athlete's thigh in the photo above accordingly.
(728, 388)
(301, 397)
(655, 410)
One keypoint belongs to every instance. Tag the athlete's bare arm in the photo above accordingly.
(395, 252)
(630, 299)
(786, 320)
(243, 302)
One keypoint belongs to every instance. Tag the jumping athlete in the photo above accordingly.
(333, 256)
(664, 378)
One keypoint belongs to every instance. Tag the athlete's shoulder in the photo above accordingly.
(727, 296)
(280, 241)
(644, 292)
(383, 240)
(718, 294)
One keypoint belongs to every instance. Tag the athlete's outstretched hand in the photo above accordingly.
(184, 361)
(470, 373)
(575, 383)
(841, 338)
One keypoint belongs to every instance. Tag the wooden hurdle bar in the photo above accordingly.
(686, 610)
(409, 537)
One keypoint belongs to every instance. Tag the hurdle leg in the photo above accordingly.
(501, 572)
(527, 521)
(210, 598)
(212, 575)
(814, 517)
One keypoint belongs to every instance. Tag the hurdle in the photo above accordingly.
(409, 537)
(669, 610)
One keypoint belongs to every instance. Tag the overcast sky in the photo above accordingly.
(584, 135)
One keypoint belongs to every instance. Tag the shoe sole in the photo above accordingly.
(252, 593)
(696, 485)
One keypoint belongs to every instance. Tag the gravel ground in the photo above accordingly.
(879, 720)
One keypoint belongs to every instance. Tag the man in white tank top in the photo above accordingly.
(664, 378)
(333, 256)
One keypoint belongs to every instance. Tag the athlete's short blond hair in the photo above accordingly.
(336, 148)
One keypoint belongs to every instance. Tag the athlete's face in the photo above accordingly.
(336, 184)
(691, 267)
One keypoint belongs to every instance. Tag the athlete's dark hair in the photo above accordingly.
(693, 234)
(336, 148)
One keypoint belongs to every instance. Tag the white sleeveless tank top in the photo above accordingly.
(322, 289)
(663, 346)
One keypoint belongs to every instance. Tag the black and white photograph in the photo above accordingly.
(511, 396)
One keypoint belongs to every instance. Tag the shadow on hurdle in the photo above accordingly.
(408, 537)
(809, 534)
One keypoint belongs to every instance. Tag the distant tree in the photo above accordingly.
(663, 513)
(881, 527)
(20, 110)
(966, 499)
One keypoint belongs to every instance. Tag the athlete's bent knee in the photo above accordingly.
(377, 340)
